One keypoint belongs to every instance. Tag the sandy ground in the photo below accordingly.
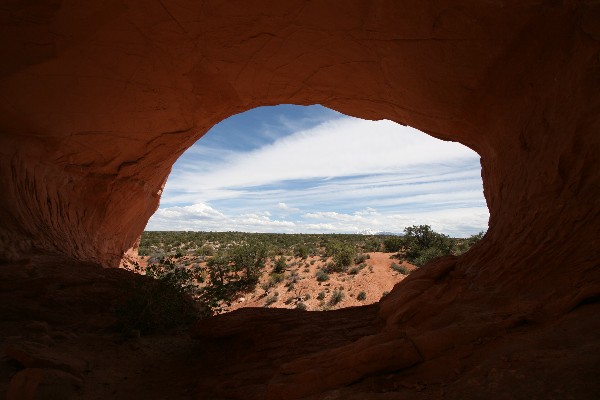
(375, 279)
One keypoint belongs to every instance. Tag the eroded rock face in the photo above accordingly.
(99, 99)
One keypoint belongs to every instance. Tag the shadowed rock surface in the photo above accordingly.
(99, 99)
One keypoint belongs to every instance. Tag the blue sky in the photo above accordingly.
(309, 169)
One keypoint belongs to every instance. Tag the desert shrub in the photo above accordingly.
(271, 300)
(361, 296)
(220, 269)
(307, 296)
(344, 257)
(275, 278)
(280, 265)
(354, 270)
(232, 271)
(422, 244)
(372, 245)
(266, 285)
(385, 293)
(321, 275)
(184, 279)
(301, 306)
(206, 250)
(462, 245)
(392, 244)
(161, 303)
(154, 307)
(427, 255)
(360, 258)
(293, 277)
(342, 254)
(400, 269)
(250, 259)
(336, 297)
(321, 295)
(301, 251)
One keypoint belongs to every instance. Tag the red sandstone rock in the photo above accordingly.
(41, 384)
(34, 355)
(99, 99)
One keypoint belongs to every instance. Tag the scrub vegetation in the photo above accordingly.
(219, 270)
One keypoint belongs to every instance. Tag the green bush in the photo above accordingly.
(293, 277)
(321, 295)
(275, 278)
(280, 265)
(161, 303)
(220, 269)
(336, 297)
(392, 244)
(321, 275)
(271, 300)
(361, 296)
(344, 257)
(301, 306)
(266, 285)
(400, 269)
(462, 245)
(301, 251)
(372, 245)
(250, 259)
(206, 250)
(360, 258)
(427, 255)
(423, 244)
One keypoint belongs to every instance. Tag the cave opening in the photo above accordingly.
(98, 101)
(303, 184)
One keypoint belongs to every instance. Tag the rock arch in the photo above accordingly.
(99, 99)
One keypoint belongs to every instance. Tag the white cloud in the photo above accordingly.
(457, 222)
(346, 175)
(195, 211)
(340, 147)
(460, 222)
(284, 207)
(204, 217)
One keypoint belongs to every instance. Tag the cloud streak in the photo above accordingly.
(341, 147)
(341, 175)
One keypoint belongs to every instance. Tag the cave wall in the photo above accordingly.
(98, 99)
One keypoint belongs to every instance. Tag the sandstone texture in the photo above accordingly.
(99, 98)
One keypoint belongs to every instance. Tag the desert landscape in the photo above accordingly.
(99, 99)
(307, 272)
